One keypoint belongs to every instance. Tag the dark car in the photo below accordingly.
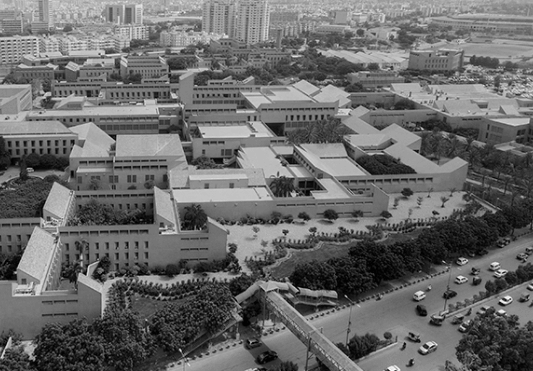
(421, 310)
(448, 294)
(477, 280)
(267, 356)
(475, 271)
(252, 343)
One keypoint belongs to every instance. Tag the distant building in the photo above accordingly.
(440, 60)
(12, 26)
(373, 80)
(486, 22)
(132, 32)
(218, 16)
(15, 99)
(326, 29)
(44, 11)
(147, 66)
(253, 19)
(124, 14)
(341, 16)
(13, 48)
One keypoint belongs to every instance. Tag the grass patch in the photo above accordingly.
(146, 307)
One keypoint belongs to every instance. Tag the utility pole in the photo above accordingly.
(349, 320)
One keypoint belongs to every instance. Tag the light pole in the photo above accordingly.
(447, 286)
(349, 320)
(184, 359)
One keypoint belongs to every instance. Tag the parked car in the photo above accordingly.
(506, 300)
(458, 318)
(460, 280)
(30, 170)
(501, 313)
(524, 297)
(501, 273)
(267, 356)
(436, 319)
(392, 368)
(421, 310)
(461, 261)
(494, 266)
(465, 326)
(475, 271)
(428, 347)
(448, 294)
(252, 343)
(530, 286)
(476, 280)
(483, 309)
(529, 250)
(257, 369)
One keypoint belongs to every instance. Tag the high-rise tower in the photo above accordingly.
(44, 10)
(253, 19)
(218, 16)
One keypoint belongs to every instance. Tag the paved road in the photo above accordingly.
(394, 313)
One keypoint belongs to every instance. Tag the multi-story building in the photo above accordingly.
(147, 66)
(218, 16)
(70, 44)
(49, 72)
(373, 80)
(45, 137)
(44, 11)
(12, 26)
(486, 22)
(182, 38)
(124, 14)
(49, 44)
(13, 48)
(253, 20)
(132, 32)
(436, 60)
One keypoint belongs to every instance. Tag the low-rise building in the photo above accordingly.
(373, 80)
(13, 48)
(440, 60)
(147, 66)
(15, 99)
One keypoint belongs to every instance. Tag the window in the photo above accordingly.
(97, 246)
(132, 178)
(116, 256)
(206, 186)
(232, 185)
(149, 177)
(145, 244)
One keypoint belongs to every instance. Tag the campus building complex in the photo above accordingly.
(436, 60)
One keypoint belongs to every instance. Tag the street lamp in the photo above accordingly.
(184, 359)
(349, 320)
(448, 286)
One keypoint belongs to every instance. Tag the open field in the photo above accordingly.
(500, 51)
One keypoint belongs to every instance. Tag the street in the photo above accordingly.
(394, 313)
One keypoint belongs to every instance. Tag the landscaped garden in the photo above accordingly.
(95, 213)
(25, 198)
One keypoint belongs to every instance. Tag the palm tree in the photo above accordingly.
(194, 218)
(282, 186)
(331, 130)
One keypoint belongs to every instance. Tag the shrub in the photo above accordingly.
(331, 214)
(171, 270)
(383, 164)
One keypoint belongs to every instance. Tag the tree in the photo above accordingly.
(286, 366)
(240, 284)
(373, 66)
(314, 275)
(194, 218)
(313, 231)
(304, 216)
(282, 186)
(360, 32)
(444, 199)
(16, 359)
(407, 192)
(357, 214)
(67, 28)
(352, 275)
(256, 230)
(23, 169)
(404, 104)
(171, 270)
(331, 130)
(385, 214)
(331, 214)
(69, 347)
(419, 201)
(5, 157)
(204, 162)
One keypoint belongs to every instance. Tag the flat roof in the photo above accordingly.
(332, 188)
(264, 158)
(250, 129)
(133, 110)
(517, 121)
(272, 94)
(221, 195)
(164, 145)
(341, 167)
(33, 128)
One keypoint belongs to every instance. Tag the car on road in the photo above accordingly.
(476, 280)
(494, 266)
(252, 343)
(529, 250)
(461, 261)
(501, 273)
(392, 368)
(460, 280)
(522, 256)
(530, 286)
(524, 297)
(501, 313)
(428, 347)
(437, 319)
(475, 271)
(267, 356)
(465, 326)
(257, 369)
(448, 294)
(483, 309)
(506, 300)
(421, 310)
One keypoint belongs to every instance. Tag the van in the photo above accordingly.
(419, 295)
(494, 266)
(437, 319)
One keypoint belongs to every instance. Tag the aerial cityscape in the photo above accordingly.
(265, 185)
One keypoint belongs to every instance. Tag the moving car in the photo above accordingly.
(392, 368)
(448, 294)
(256, 369)
(475, 271)
(421, 310)
(419, 295)
(506, 300)
(436, 319)
(501, 313)
(483, 309)
(413, 337)
(494, 266)
(524, 297)
(252, 343)
(530, 286)
(267, 356)
(465, 326)
(522, 256)
(462, 261)
(476, 280)
(460, 280)
(529, 250)
(428, 347)
(500, 273)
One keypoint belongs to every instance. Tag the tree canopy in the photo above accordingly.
(96, 213)
(383, 164)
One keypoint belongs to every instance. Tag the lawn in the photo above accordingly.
(146, 307)
(328, 251)
(501, 51)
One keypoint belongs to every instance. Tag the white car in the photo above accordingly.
(461, 279)
(428, 347)
(392, 368)
(501, 313)
(530, 286)
(500, 273)
(462, 261)
(506, 300)
(494, 266)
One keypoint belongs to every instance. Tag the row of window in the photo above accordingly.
(116, 256)
(106, 232)
(41, 151)
(18, 238)
(32, 143)
(117, 245)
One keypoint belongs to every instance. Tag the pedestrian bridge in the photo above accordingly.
(316, 342)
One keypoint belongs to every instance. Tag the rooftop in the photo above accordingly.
(263, 158)
(221, 195)
(250, 129)
(515, 121)
(163, 145)
(33, 128)
(180, 178)
(57, 202)
(94, 142)
(37, 255)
